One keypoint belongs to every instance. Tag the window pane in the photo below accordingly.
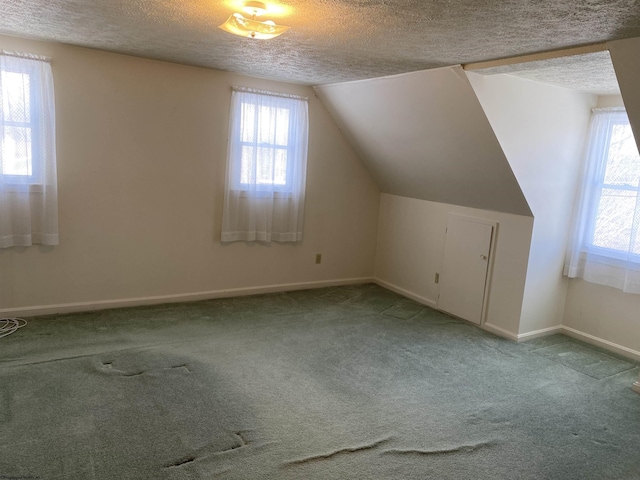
(16, 97)
(623, 162)
(282, 129)
(614, 219)
(247, 122)
(280, 167)
(264, 137)
(246, 165)
(16, 151)
(273, 126)
(264, 174)
(266, 125)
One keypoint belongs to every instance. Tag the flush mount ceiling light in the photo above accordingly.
(250, 27)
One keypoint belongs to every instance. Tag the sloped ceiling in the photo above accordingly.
(424, 135)
(625, 55)
(590, 73)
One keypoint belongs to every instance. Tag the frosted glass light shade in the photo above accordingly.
(245, 27)
(254, 8)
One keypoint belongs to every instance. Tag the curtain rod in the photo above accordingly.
(267, 92)
(29, 56)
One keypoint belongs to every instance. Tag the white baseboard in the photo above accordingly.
(182, 297)
(599, 342)
(571, 332)
(406, 293)
(523, 337)
(501, 332)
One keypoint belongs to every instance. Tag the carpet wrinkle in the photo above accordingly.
(241, 439)
(183, 461)
(467, 448)
(108, 366)
(341, 451)
(15, 361)
(186, 340)
(8, 362)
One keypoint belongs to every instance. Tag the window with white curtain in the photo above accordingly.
(266, 167)
(605, 243)
(28, 185)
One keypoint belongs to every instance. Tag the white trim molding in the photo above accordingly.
(501, 332)
(175, 298)
(599, 342)
(523, 337)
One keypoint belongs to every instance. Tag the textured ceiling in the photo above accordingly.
(330, 40)
(592, 73)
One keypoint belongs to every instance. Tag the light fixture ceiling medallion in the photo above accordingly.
(250, 27)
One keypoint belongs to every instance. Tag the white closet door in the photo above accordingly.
(464, 267)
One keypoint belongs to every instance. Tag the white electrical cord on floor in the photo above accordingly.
(10, 325)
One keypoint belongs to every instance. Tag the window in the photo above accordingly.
(606, 239)
(17, 125)
(266, 167)
(264, 146)
(28, 191)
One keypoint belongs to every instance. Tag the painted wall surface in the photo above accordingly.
(542, 130)
(411, 236)
(597, 310)
(141, 162)
(605, 101)
(605, 313)
(424, 135)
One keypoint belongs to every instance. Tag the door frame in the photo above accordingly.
(490, 262)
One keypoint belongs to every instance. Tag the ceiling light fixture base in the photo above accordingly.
(250, 27)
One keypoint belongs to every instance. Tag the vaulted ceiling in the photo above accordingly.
(330, 40)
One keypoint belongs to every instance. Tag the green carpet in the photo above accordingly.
(338, 383)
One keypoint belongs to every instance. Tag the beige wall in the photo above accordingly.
(411, 235)
(605, 101)
(141, 162)
(598, 312)
(542, 130)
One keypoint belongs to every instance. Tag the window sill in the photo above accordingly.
(262, 194)
(23, 188)
(606, 256)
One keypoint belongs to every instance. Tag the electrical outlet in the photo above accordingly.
(437, 278)
(318, 258)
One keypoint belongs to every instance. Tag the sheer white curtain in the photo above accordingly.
(28, 186)
(266, 167)
(605, 243)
